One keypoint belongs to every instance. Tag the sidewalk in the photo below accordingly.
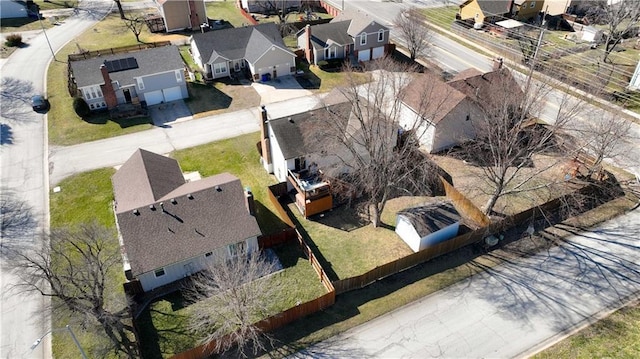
(66, 161)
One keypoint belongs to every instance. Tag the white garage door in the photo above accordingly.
(363, 55)
(172, 94)
(378, 52)
(154, 97)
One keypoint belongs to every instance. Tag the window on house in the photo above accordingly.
(330, 53)
(235, 249)
(92, 106)
(159, 272)
(220, 68)
(380, 35)
(363, 39)
(140, 83)
(178, 76)
(98, 91)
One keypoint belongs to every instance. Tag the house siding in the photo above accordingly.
(372, 38)
(176, 14)
(275, 58)
(163, 81)
(196, 55)
(454, 128)
(470, 9)
(180, 270)
(525, 11)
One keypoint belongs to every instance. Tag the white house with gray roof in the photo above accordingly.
(258, 49)
(170, 228)
(154, 75)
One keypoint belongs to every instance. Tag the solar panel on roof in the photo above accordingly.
(121, 64)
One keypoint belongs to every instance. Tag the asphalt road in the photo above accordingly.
(510, 310)
(23, 168)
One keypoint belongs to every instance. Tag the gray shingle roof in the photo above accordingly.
(302, 134)
(334, 31)
(150, 61)
(358, 21)
(195, 218)
(493, 7)
(248, 42)
(144, 179)
(431, 218)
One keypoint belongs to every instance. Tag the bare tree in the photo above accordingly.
(620, 18)
(413, 31)
(74, 269)
(120, 9)
(135, 24)
(242, 298)
(380, 157)
(602, 135)
(509, 134)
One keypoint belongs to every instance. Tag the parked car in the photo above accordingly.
(39, 103)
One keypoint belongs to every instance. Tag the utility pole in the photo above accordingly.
(46, 37)
(532, 62)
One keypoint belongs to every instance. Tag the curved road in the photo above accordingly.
(24, 169)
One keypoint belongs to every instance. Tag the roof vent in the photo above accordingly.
(152, 207)
(291, 120)
(190, 196)
(162, 206)
(218, 189)
(173, 201)
(136, 212)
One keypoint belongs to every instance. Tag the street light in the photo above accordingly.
(73, 336)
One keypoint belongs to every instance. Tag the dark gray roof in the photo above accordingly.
(248, 42)
(196, 218)
(150, 61)
(144, 179)
(493, 7)
(358, 21)
(304, 133)
(431, 218)
(334, 31)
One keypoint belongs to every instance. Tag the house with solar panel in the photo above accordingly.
(145, 77)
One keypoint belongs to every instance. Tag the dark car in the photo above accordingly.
(39, 103)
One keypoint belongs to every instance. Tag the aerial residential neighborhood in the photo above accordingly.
(319, 179)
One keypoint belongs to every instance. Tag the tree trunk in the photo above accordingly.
(374, 214)
(488, 208)
(120, 10)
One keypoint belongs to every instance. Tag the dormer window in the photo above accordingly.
(380, 35)
(363, 39)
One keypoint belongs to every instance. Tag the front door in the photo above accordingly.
(236, 66)
(127, 95)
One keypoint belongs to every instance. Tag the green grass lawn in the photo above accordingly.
(84, 198)
(441, 16)
(617, 336)
(226, 10)
(163, 324)
(347, 246)
(56, 4)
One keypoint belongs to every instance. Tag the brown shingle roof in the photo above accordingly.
(428, 95)
(145, 178)
(196, 218)
(489, 90)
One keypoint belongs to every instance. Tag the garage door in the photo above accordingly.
(172, 94)
(378, 52)
(154, 97)
(363, 55)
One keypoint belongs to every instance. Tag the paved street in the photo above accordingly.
(509, 310)
(23, 160)
(65, 161)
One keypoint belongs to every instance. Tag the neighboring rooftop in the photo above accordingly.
(358, 21)
(148, 61)
(428, 95)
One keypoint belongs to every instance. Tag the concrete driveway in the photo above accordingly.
(281, 89)
(170, 112)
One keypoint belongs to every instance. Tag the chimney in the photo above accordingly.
(107, 89)
(249, 201)
(308, 48)
(264, 131)
(194, 19)
(497, 63)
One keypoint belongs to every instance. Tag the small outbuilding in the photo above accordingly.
(425, 226)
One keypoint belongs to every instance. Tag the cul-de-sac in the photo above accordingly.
(319, 179)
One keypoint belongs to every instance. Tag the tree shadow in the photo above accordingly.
(308, 80)
(343, 218)
(289, 254)
(268, 221)
(6, 134)
(170, 337)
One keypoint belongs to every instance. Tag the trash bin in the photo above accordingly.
(265, 77)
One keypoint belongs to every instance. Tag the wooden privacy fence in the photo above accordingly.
(116, 50)
(274, 239)
(464, 205)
